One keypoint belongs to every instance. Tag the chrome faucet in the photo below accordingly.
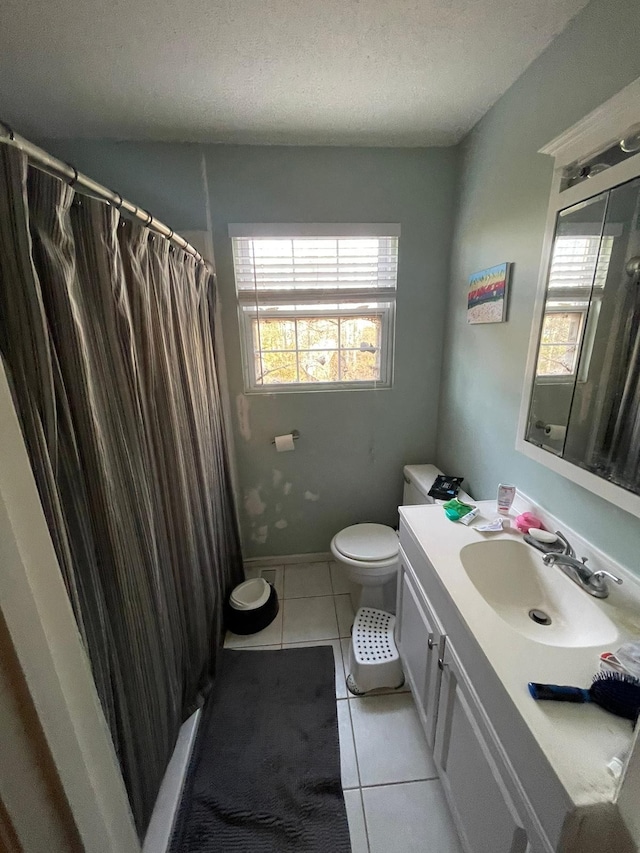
(592, 582)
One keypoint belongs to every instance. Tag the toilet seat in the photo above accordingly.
(250, 595)
(369, 546)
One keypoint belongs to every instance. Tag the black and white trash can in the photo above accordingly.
(251, 607)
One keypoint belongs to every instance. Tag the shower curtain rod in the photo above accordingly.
(59, 169)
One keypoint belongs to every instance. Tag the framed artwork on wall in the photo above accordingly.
(487, 296)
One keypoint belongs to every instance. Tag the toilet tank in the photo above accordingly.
(418, 479)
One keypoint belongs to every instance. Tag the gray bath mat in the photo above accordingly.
(265, 771)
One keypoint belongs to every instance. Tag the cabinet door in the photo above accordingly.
(419, 641)
(484, 813)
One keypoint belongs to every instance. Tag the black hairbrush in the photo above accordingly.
(616, 692)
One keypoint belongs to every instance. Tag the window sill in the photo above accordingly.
(320, 386)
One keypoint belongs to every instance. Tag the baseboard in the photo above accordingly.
(318, 557)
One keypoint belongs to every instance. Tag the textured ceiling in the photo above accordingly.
(371, 72)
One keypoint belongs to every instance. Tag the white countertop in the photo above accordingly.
(578, 740)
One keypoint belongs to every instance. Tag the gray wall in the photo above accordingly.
(353, 443)
(504, 191)
(162, 177)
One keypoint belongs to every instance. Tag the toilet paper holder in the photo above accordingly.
(295, 435)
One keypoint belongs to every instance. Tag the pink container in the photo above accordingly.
(526, 521)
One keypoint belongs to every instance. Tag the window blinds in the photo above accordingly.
(578, 263)
(314, 267)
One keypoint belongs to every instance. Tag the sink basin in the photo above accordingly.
(514, 581)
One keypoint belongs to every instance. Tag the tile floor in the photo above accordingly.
(392, 793)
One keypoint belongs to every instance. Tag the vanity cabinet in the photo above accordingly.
(420, 641)
(467, 753)
(519, 776)
(483, 810)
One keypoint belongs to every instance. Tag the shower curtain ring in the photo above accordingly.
(74, 180)
(149, 218)
(12, 135)
(118, 204)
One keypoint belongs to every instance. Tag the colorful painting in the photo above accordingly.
(487, 300)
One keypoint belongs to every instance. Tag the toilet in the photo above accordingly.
(369, 552)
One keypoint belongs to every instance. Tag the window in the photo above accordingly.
(559, 342)
(316, 305)
(578, 274)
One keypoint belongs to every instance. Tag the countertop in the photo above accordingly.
(577, 740)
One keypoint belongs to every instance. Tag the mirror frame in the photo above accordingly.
(592, 134)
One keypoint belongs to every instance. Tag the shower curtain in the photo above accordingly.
(106, 331)
(617, 451)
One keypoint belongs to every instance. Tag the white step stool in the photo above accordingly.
(374, 661)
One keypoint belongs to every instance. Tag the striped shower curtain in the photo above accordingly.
(107, 337)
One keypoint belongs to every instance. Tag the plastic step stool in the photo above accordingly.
(374, 661)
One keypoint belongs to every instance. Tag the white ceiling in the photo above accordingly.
(369, 72)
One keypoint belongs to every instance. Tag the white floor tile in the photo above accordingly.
(302, 580)
(273, 574)
(270, 636)
(345, 643)
(306, 619)
(390, 743)
(339, 580)
(411, 817)
(341, 686)
(345, 614)
(355, 816)
(348, 764)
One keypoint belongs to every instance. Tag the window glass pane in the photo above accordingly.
(561, 327)
(318, 333)
(275, 334)
(329, 349)
(274, 368)
(557, 360)
(319, 366)
(360, 366)
(360, 332)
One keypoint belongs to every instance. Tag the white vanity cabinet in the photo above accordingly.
(466, 749)
(485, 815)
(519, 776)
(420, 641)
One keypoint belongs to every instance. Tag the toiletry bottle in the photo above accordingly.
(506, 494)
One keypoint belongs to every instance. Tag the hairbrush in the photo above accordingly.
(616, 692)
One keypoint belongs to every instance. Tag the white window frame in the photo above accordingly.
(594, 133)
(349, 303)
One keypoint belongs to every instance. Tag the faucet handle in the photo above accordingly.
(601, 574)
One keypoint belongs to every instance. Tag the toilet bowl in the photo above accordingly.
(369, 553)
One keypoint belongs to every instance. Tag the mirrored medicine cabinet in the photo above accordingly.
(581, 403)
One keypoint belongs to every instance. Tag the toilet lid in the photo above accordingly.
(367, 542)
